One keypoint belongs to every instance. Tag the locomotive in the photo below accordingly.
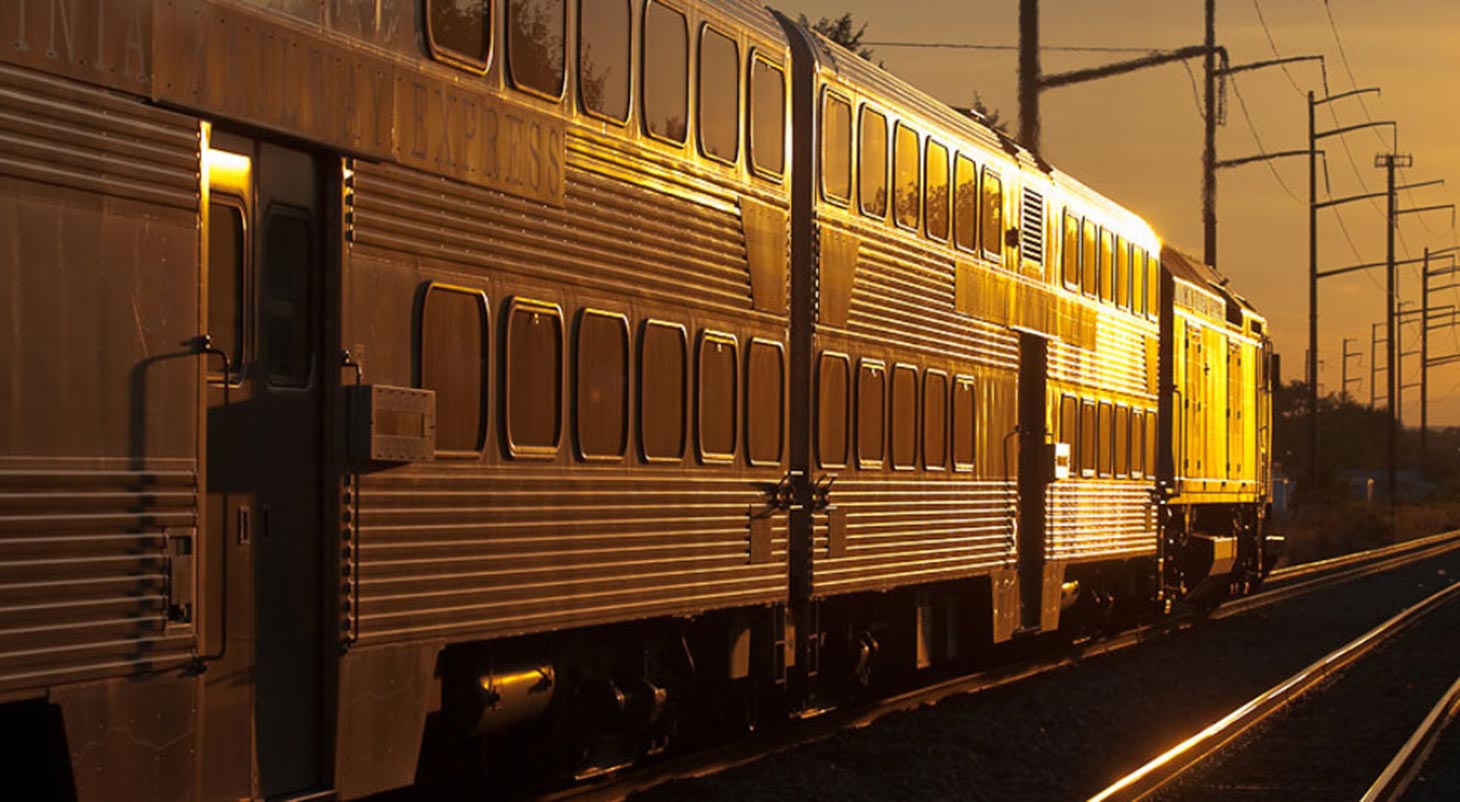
(400, 385)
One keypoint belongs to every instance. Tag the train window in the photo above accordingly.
(666, 72)
(871, 414)
(765, 402)
(1138, 279)
(1104, 440)
(872, 164)
(907, 193)
(1137, 443)
(1089, 250)
(719, 95)
(1153, 285)
(965, 423)
(534, 376)
(453, 363)
(1070, 251)
(833, 394)
(767, 117)
(965, 203)
(1107, 251)
(1122, 273)
(836, 149)
(287, 334)
(935, 420)
(992, 215)
(535, 45)
(662, 360)
(904, 417)
(716, 406)
(1151, 442)
(603, 57)
(1088, 438)
(1122, 441)
(459, 32)
(602, 384)
(935, 178)
(1069, 423)
(226, 247)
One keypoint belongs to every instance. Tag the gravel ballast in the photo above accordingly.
(1068, 734)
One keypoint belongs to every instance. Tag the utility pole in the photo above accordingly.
(1374, 365)
(1029, 74)
(1347, 355)
(1209, 143)
(1390, 162)
(1424, 355)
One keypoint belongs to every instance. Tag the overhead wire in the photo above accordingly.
(1257, 137)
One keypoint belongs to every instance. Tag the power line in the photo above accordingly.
(1261, 150)
(1256, 6)
(980, 46)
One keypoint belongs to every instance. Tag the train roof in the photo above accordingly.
(754, 16)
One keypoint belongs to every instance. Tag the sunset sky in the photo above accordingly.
(1137, 138)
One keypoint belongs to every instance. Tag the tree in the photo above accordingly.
(841, 30)
(991, 117)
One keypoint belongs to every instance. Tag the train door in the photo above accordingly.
(1033, 476)
(262, 686)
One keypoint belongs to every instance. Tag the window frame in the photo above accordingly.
(972, 247)
(707, 337)
(849, 416)
(877, 366)
(928, 144)
(917, 150)
(780, 349)
(1105, 272)
(555, 310)
(463, 61)
(928, 375)
(684, 433)
(970, 381)
(1105, 440)
(511, 73)
(623, 321)
(263, 358)
(862, 112)
(997, 254)
(1089, 429)
(758, 56)
(578, 69)
(1070, 257)
(689, 66)
(1089, 258)
(829, 94)
(917, 417)
(485, 307)
(237, 369)
(741, 108)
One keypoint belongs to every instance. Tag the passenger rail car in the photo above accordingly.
(401, 386)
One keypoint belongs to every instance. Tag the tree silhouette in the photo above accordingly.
(843, 31)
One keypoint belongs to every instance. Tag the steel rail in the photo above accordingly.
(1176, 761)
(1358, 565)
(1405, 766)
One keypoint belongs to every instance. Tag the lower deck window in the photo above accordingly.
(453, 363)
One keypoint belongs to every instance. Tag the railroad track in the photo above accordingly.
(1191, 754)
(1405, 767)
(1283, 584)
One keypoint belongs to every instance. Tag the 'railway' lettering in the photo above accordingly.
(64, 11)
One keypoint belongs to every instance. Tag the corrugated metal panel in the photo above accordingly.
(1120, 362)
(499, 552)
(912, 531)
(58, 132)
(682, 244)
(1090, 520)
(84, 573)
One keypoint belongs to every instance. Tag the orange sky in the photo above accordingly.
(1138, 139)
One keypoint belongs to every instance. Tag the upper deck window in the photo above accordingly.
(836, 149)
(767, 117)
(603, 57)
(535, 42)
(1107, 251)
(460, 32)
(1070, 251)
(666, 73)
(872, 164)
(907, 204)
(1089, 248)
(935, 177)
(965, 203)
(993, 214)
(719, 95)
(1122, 273)
(1138, 279)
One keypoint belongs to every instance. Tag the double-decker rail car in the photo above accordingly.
(395, 389)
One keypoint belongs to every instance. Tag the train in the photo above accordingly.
(404, 389)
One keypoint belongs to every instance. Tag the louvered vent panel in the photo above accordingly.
(1031, 227)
